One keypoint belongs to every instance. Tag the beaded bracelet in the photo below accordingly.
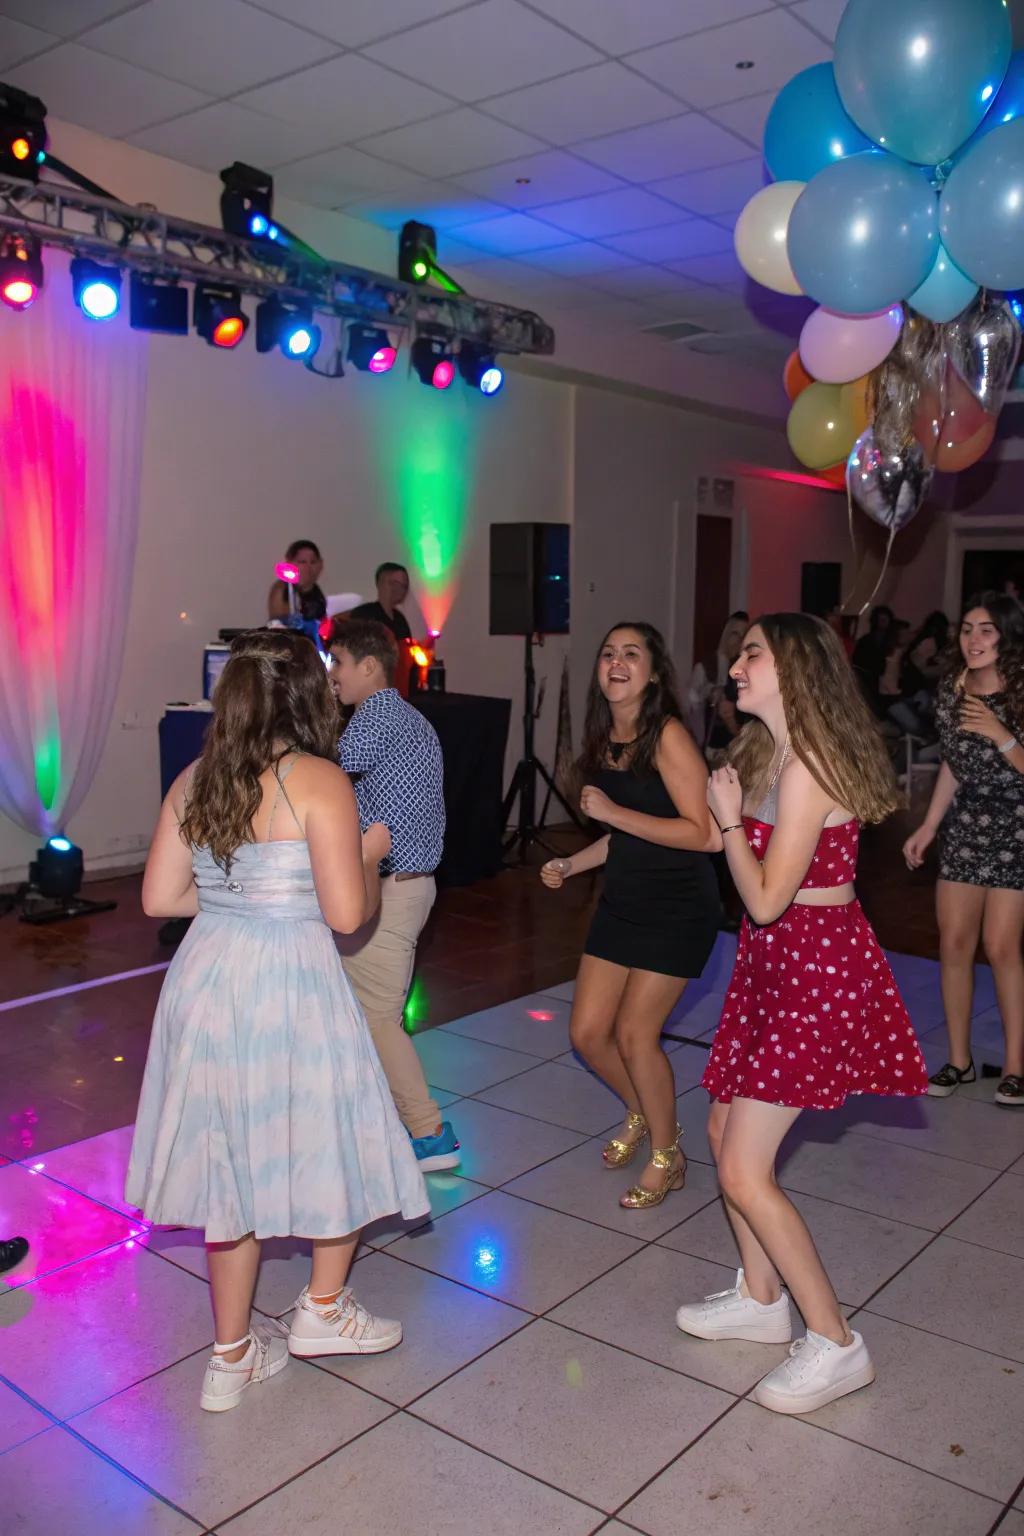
(737, 826)
(1008, 746)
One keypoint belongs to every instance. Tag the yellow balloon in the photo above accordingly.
(855, 401)
(821, 428)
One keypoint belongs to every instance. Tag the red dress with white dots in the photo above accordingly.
(813, 1012)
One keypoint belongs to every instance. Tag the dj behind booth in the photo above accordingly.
(473, 731)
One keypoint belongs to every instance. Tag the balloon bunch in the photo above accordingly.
(897, 204)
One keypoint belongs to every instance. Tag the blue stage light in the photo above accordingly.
(491, 381)
(97, 289)
(300, 340)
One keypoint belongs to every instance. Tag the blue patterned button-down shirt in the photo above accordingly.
(394, 759)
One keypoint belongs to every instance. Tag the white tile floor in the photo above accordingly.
(542, 1386)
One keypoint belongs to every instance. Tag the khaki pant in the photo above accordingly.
(378, 962)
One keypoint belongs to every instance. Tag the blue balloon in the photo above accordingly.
(1007, 104)
(808, 127)
(863, 233)
(981, 213)
(918, 76)
(945, 291)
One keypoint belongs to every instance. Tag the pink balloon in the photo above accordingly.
(837, 349)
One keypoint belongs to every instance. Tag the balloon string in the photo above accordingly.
(881, 575)
(858, 559)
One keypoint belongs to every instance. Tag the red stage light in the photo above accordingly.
(444, 373)
(21, 149)
(18, 293)
(229, 331)
(383, 360)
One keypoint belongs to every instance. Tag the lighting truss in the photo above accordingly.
(142, 239)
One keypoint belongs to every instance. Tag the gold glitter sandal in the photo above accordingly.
(640, 1199)
(617, 1154)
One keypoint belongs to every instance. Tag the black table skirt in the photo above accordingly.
(473, 732)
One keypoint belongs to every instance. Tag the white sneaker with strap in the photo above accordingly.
(226, 1380)
(731, 1315)
(816, 1371)
(339, 1327)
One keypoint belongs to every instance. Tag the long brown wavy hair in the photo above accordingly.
(1007, 615)
(272, 697)
(659, 703)
(831, 729)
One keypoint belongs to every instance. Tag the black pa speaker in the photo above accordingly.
(819, 587)
(529, 578)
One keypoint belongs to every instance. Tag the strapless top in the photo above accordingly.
(835, 858)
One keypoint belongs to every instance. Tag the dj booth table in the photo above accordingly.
(473, 732)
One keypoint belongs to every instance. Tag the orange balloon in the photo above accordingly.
(795, 378)
(962, 419)
(855, 399)
(952, 456)
(835, 474)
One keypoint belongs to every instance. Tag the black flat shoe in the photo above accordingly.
(12, 1252)
(949, 1078)
(1011, 1091)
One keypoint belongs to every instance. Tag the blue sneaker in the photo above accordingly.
(436, 1152)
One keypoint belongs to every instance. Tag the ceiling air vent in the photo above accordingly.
(675, 330)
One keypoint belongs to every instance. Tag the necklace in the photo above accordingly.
(778, 770)
(617, 748)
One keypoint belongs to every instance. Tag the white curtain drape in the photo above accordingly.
(72, 412)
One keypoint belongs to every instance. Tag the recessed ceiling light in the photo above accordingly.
(744, 63)
(523, 181)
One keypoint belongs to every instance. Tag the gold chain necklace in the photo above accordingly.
(776, 776)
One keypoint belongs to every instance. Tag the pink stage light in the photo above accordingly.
(286, 572)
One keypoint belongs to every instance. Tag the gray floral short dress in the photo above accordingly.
(983, 833)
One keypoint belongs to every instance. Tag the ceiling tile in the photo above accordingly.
(433, 203)
(355, 22)
(686, 143)
(822, 15)
(724, 189)
(216, 135)
(547, 178)
(64, 18)
(619, 27)
(580, 106)
(495, 46)
(342, 175)
(346, 98)
(458, 141)
(219, 46)
(723, 270)
(512, 233)
(581, 259)
(746, 117)
(610, 213)
(674, 242)
(702, 69)
(643, 283)
(19, 42)
(101, 93)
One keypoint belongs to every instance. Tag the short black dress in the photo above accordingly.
(660, 909)
(983, 833)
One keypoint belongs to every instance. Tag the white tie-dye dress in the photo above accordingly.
(264, 1106)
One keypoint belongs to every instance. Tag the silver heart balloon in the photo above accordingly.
(983, 344)
(887, 485)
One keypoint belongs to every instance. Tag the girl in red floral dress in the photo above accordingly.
(812, 1013)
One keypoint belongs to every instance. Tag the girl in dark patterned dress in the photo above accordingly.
(979, 801)
(812, 1013)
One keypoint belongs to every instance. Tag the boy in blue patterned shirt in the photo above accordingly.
(393, 757)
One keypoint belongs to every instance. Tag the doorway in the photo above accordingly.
(992, 570)
(712, 582)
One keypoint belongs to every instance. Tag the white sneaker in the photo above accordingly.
(817, 1372)
(731, 1315)
(342, 1327)
(226, 1380)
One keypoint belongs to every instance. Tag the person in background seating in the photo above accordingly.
(392, 590)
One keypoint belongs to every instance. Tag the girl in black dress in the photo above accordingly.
(979, 802)
(658, 916)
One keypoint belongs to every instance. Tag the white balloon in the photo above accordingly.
(760, 237)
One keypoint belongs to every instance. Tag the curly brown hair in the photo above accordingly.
(659, 703)
(831, 729)
(273, 697)
(1007, 615)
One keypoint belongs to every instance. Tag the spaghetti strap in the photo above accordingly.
(280, 777)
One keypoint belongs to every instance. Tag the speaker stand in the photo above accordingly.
(524, 781)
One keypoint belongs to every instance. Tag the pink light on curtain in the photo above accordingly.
(72, 410)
